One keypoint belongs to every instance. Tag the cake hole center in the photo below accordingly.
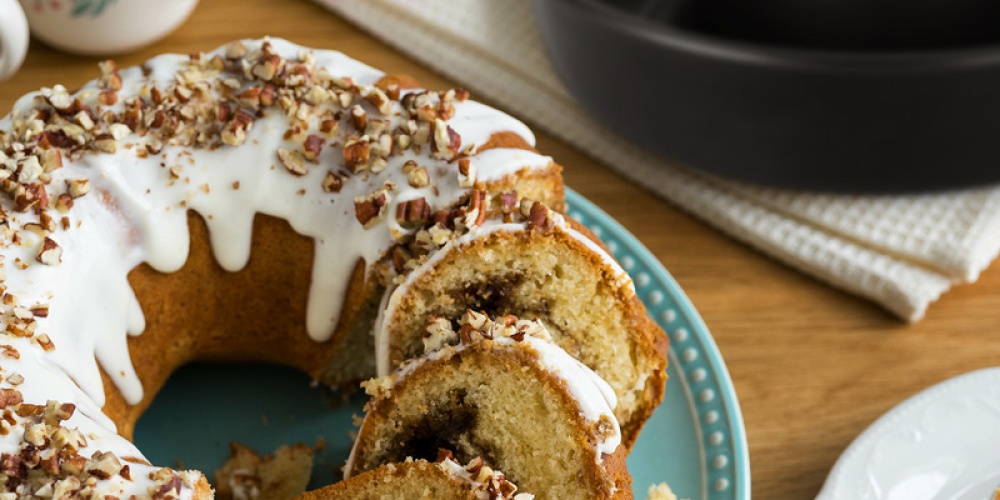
(205, 406)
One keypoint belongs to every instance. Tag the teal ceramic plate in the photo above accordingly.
(695, 441)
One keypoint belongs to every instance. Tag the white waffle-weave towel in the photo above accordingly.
(902, 252)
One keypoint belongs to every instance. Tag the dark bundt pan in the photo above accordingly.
(847, 95)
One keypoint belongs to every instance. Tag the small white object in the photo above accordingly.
(681, 335)
(668, 316)
(98, 27)
(13, 37)
(941, 444)
(690, 354)
(721, 484)
(715, 438)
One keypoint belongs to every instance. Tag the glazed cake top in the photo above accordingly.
(101, 180)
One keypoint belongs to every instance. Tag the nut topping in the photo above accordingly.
(466, 173)
(78, 187)
(446, 141)
(419, 178)
(413, 213)
(293, 161)
(369, 210)
(356, 154)
(312, 147)
(50, 254)
(332, 183)
(236, 130)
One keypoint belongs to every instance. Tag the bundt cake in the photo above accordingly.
(423, 480)
(264, 202)
(500, 390)
(529, 261)
(130, 202)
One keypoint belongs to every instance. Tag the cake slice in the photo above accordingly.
(500, 390)
(525, 260)
(420, 479)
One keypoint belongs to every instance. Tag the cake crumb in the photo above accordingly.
(249, 476)
(660, 491)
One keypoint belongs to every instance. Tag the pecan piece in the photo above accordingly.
(10, 397)
(357, 154)
(419, 178)
(359, 118)
(538, 217)
(369, 210)
(413, 213)
(312, 147)
(446, 142)
(268, 67)
(78, 187)
(466, 173)
(332, 183)
(235, 132)
(50, 254)
(293, 161)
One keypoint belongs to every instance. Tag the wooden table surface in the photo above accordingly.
(812, 366)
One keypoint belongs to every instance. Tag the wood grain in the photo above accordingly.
(812, 365)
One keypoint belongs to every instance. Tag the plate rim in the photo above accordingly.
(834, 483)
(698, 335)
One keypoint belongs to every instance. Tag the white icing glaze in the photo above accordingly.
(136, 214)
(393, 295)
(42, 382)
(596, 398)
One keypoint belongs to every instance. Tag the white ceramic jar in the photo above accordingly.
(92, 27)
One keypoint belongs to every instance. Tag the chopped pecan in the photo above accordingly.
(312, 147)
(466, 173)
(446, 142)
(538, 217)
(108, 97)
(10, 397)
(359, 118)
(44, 341)
(50, 254)
(268, 67)
(400, 256)
(356, 154)
(55, 138)
(419, 178)
(78, 187)
(369, 210)
(332, 183)
(328, 126)
(413, 213)
(268, 95)
(293, 161)
(235, 132)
